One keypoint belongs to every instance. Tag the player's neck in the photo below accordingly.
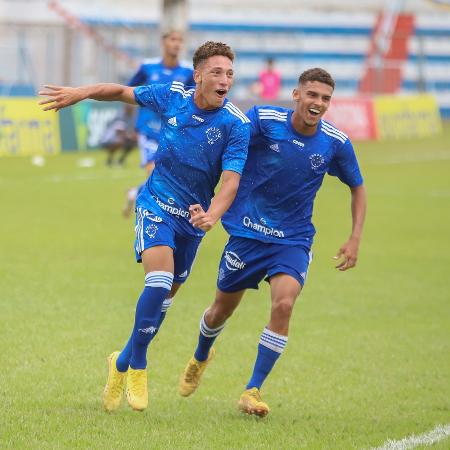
(170, 61)
(300, 126)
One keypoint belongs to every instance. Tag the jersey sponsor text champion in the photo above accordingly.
(175, 211)
(262, 228)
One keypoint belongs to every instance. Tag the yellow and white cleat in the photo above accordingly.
(192, 374)
(112, 394)
(137, 391)
(251, 403)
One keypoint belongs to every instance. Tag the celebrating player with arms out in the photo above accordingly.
(203, 136)
(270, 223)
(148, 123)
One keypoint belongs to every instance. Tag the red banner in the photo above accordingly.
(353, 116)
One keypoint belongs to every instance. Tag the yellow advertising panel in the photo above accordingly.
(407, 116)
(27, 130)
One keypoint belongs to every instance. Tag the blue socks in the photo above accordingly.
(147, 320)
(270, 347)
(123, 361)
(206, 339)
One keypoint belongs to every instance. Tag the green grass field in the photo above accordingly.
(368, 353)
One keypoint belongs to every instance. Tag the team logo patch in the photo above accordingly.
(233, 262)
(151, 230)
(213, 134)
(316, 161)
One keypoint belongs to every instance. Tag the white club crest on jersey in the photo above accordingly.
(316, 161)
(172, 121)
(213, 134)
(275, 148)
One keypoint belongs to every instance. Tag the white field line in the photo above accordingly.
(428, 438)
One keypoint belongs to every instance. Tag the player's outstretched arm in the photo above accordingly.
(349, 251)
(219, 204)
(59, 97)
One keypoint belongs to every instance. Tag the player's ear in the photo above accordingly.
(296, 94)
(197, 76)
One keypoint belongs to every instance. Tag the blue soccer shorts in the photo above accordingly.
(245, 262)
(148, 147)
(151, 231)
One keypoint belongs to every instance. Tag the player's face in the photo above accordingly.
(172, 44)
(313, 99)
(214, 78)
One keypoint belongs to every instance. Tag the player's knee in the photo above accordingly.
(282, 307)
(217, 315)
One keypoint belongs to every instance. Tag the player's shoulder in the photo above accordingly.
(235, 113)
(179, 90)
(332, 133)
(270, 112)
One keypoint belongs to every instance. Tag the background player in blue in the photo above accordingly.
(148, 123)
(203, 136)
(270, 223)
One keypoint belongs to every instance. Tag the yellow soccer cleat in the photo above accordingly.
(137, 392)
(112, 394)
(192, 374)
(251, 403)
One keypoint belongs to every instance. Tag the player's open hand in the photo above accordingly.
(60, 96)
(200, 218)
(347, 255)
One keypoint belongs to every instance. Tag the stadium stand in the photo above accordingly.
(338, 36)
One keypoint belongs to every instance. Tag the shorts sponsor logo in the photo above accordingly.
(317, 160)
(262, 228)
(233, 262)
(151, 230)
(213, 134)
(152, 217)
(174, 210)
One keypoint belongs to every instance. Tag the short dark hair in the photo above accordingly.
(209, 49)
(166, 33)
(316, 74)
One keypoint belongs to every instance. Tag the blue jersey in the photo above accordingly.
(153, 71)
(195, 146)
(283, 172)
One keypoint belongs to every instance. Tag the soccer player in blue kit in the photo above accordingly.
(203, 137)
(148, 123)
(270, 227)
